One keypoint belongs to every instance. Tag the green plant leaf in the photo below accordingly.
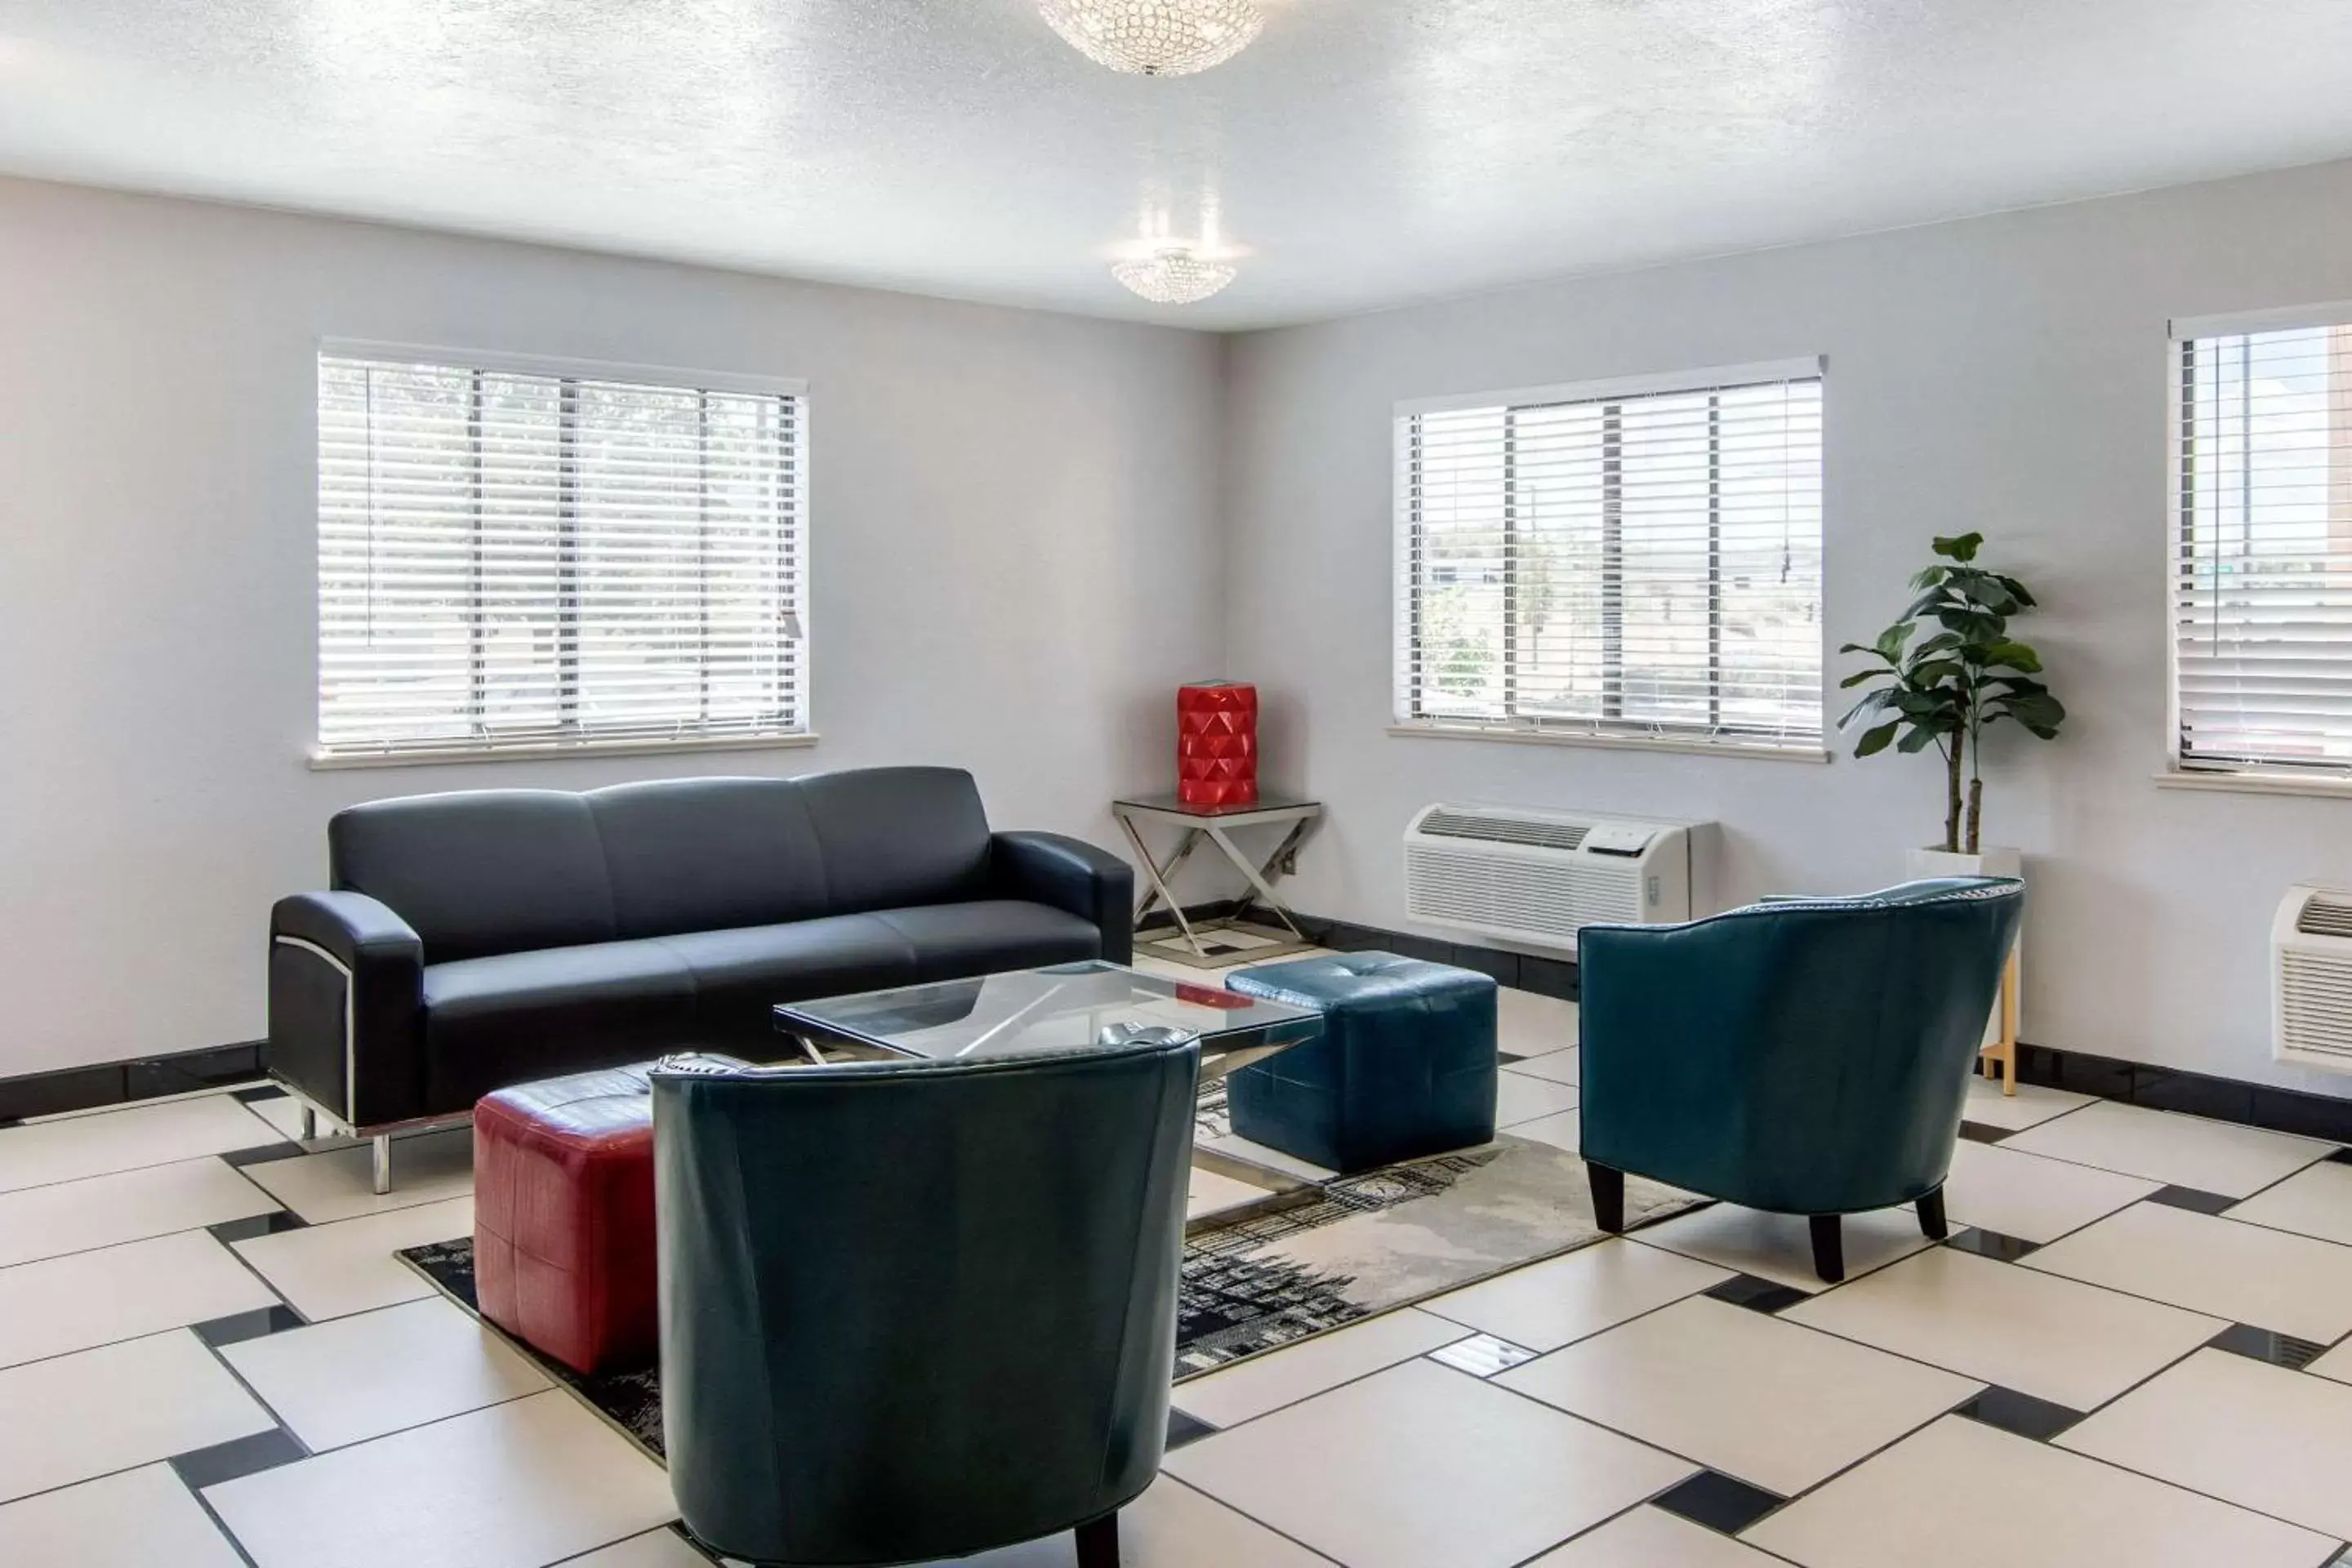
(1874, 742)
(1916, 740)
(1960, 547)
(2013, 656)
(1859, 675)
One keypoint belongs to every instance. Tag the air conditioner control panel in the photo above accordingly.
(1626, 838)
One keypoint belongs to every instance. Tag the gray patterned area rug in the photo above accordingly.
(1370, 1243)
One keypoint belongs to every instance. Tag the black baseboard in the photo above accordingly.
(1521, 972)
(2292, 1110)
(120, 1083)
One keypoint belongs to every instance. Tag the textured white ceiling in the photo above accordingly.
(1362, 153)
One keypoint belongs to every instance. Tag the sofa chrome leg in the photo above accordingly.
(310, 1127)
(1932, 1224)
(1607, 1197)
(1098, 1542)
(1828, 1247)
(381, 1148)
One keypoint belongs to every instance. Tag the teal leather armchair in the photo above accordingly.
(918, 1311)
(1807, 1055)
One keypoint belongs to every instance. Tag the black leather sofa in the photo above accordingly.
(478, 939)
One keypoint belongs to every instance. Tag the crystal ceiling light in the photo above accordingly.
(1155, 37)
(1172, 275)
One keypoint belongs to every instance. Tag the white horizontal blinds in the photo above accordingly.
(1645, 564)
(2262, 585)
(520, 560)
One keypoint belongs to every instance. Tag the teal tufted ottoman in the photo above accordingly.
(1404, 1067)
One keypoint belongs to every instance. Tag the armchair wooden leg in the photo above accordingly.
(1931, 1216)
(1828, 1247)
(1098, 1542)
(1607, 1197)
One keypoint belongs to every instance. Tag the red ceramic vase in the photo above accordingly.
(1216, 743)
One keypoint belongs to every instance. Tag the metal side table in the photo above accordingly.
(1212, 945)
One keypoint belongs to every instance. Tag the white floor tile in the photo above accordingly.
(1519, 1099)
(1529, 1025)
(359, 1377)
(331, 1270)
(127, 1206)
(41, 1153)
(2336, 1363)
(1653, 1537)
(1547, 1305)
(2239, 1430)
(2316, 1201)
(1169, 1526)
(1419, 1464)
(340, 1183)
(2032, 1197)
(654, 1549)
(285, 1113)
(1284, 1377)
(2032, 1104)
(1776, 1405)
(88, 1298)
(1560, 1066)
(139, 1519)
(1965, 1494)
(2288, 1284)
(2182, 1150)
(2072, 1344)
(1780, 1246)
(516, 1486)
(1209, 1192)
(1563, 1129)
(74, 1417)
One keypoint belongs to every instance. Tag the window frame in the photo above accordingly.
(1406, 707)
(478, 362)
(2182, 770)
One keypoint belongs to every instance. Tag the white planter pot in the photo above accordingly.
(1991, 862)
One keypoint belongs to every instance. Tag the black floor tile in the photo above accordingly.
(2191, 1199)
(8, 1122)
(263, 1155)
(1992, 1244)
(1757, 1295)
(2342, 1156)
(1718, 1501)
(1977, 1133)
(1183, 1428)
(226, 1461)
(2019, 1412)
(2263, 1344)
(239, 1327)
(232, 1230)
(257, 1095)
(1509, 1057)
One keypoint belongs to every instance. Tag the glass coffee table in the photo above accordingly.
(1066, 1008)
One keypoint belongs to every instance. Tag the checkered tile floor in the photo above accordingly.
(2137, 1347)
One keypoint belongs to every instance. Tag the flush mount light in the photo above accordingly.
(1172, 275)
(1155, 37)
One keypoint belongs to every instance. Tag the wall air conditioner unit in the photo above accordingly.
(2311, 979)
(1536, 878)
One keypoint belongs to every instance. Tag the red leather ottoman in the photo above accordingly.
(564, 1217)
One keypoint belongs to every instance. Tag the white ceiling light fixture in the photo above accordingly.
(1172, 275)
(1155, 37)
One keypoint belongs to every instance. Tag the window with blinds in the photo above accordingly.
(516, 558)
(2263, 547)
(1636, 559)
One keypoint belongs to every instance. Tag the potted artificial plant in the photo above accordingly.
(1946, 688)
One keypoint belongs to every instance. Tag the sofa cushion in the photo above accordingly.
(896, 837)
(490, 1022)
(740, 975)
(985, 936)
(696, 854)
(480, 871)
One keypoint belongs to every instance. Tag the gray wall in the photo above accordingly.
(1014, 546)
(2005, 374)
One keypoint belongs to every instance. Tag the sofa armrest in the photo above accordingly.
(1069, 874)
(346, 998)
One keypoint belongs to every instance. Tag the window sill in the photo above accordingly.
(333, 761)
(2255, 783)
(1757, 752)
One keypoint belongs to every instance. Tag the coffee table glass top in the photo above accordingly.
(1061, 1007)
